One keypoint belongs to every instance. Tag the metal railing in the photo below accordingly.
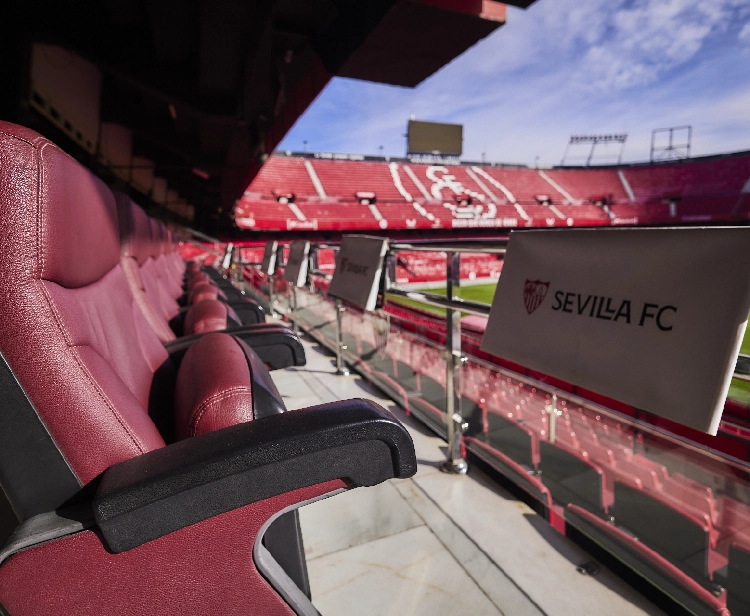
(454, 307)
(496, 435)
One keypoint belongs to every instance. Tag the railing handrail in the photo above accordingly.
(467, 306)
(590, 405)
(203, 236)
(497, 246)
(439, 301)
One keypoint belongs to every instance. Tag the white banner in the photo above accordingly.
(295, 271)
(269, 258)
(359, 264)
(651, 317)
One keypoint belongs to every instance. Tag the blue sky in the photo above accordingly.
(563, 67)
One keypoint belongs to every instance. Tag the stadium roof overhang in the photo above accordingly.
(209, 87)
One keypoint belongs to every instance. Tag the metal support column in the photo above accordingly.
(454, 361)
(553, 415)
(340, 346)
(294, 310)
(271, 311)
(226, 261)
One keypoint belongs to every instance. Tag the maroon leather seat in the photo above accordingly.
(170, 268)
(111, 515)
(142, 249)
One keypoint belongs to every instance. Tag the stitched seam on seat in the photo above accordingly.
(148, 311)
(39, 217)
(66, 335)
(217, 397)
(12, 136)
(106, 399)
(85, 370)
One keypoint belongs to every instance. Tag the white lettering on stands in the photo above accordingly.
(457, 223)
(650, 317)
(359, 264)
(448, 181)
(310, 224)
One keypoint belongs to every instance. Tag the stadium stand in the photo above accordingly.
(111, 428)
(658, 510)
(298, 192)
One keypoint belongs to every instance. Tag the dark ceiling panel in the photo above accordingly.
(224, 38)
(175, 27)
(214, 85)
(413, 41)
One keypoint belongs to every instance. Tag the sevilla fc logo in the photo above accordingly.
(534, 292)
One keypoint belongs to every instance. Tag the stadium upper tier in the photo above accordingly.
(325, 192)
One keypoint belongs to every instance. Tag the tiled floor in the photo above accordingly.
(437, 544)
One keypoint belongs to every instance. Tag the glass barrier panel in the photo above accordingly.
(668, 508)
(676, 512)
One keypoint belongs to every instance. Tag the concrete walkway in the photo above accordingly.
(437, 544)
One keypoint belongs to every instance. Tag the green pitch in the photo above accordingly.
(482, 293)
(739, 390)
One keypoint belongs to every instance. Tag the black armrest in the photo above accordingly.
(170, 488)
(233, 294)
(276, 345)
(248, 310)
(267, 400)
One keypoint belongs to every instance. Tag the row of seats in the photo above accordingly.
(147, 461)
(325, 193)
(595, 465)
(342, 178)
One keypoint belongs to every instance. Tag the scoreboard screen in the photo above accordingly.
(435, 138)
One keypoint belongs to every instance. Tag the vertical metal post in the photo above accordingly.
(271, 311)
(226, 261)
(312, 267)
(278, 262)
(236, 267)
(455, 463)
(340, 346)
(294, 309)
(553, 415)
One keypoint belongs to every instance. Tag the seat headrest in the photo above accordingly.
(136, 239)
(163, 237)
(58, 220)
(156, 248)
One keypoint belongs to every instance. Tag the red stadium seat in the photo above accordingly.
(153, 285)
(650, 562)
(135, 491)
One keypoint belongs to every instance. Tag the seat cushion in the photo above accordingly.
(203, 291)
(213, 388)
(197, 278)
(72, 333)
(208, 315)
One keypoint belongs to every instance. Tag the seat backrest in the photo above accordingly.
(516, 441)
(170, 280)
(691, 496)
(738, 569)
(71, 332)
(137, 249)
(678, 536)
(647, 475)
(571, 477)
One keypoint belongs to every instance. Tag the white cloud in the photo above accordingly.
(561, 67)
(647, 38)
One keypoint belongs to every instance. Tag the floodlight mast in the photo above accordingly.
(595, 140)
(671, 151)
